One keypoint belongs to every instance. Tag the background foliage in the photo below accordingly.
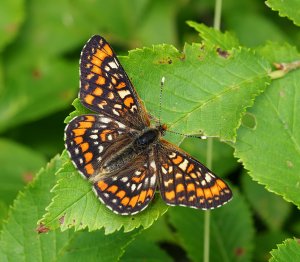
(220, 84)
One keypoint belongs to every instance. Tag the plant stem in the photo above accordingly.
(207, 213)
(217, 15)
(217, 24)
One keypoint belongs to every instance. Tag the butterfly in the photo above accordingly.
(125, 158)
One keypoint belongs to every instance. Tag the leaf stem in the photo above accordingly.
(283, 69)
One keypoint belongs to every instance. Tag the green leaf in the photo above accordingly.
(231, 231)
(266, 241)
(289, 250)
(270, 150)
(203, 90)
(18, 167)
(20, 241)
(95, 246)
(3, 212)
(75, 205)
(144, 250)
(272, 209)
(18, 238)
(21, 103)
(287, 8)
(11, 18)
(214, 37)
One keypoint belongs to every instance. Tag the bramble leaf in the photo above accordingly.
(289, 250)
(20, 240)
(270, 149)
(288, 8)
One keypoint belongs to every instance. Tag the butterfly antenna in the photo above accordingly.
(162, 82)
(185, 135)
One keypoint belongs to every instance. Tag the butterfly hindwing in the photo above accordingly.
(185, 181)
(131, 189)
(105, 87)
(89, 137)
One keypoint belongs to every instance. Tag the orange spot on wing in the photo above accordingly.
(199, 192)
(150, 193)
(170, 195)
(100, 54)
(85, 125)
(96, 70)
(125, 201)
(96, 61)
(121, 85)
(78, 140)
(104, 133)
(179, 188)
(177, 160)
(191, 187)
(100, 80)
(108, 49)
(112, 189)
(138, 179)
(221, 184)
(215, 190)
(89, 169)
(190, 168)
(88, 157)
(89, 99)
(84, 147)
(90, 118)
(128, 101)
(79, 132)
(142, 196)
(121, 194)
(102, 185)
(98, 91)
(133, 201)
(207, 193)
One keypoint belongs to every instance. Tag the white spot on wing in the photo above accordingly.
(133, 187)
(184, 164)
(113, 65)
(123, 93)
(94, 136)
(124, 179)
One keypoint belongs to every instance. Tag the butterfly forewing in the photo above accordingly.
(131, 189)
(185, 181)
(105, 87)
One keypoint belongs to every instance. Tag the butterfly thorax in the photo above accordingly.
(141, 143)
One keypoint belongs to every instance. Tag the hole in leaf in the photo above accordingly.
(249, 120)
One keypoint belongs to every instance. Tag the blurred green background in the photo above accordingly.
(40, 44)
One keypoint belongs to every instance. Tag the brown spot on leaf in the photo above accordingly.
(27, 177)
(222, 53)
(239, 251)
(41, 229)
(36, 74)
(61, 220)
